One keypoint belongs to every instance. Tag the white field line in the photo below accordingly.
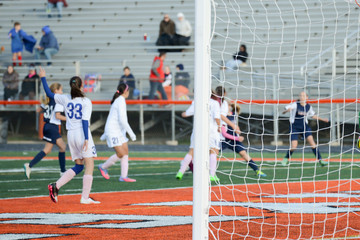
(26, 189)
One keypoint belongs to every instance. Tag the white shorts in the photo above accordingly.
(214, 140)
(76, 140)
(115, 138)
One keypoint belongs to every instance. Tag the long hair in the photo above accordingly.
(214, 96)
(53, 87)
(75, 84)
(220, 92)
(235, 108)
(120, 90)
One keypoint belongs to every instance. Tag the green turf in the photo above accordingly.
(161, 174)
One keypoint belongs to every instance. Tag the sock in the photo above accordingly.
(20, 60)
(289, 153)
(253, 165)
(62, 161)
(124, 166)
(14, 63)
(111, 161)
(317, 153)
(185, 163)
(87, 182)
(212, 164)
(68, 175)
(37, 158)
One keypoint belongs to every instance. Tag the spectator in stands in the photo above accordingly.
(11, 83)
(166, 32)
(128, 79)
(28, 86)
(48, 45)
(239, 59)
(157, 76)
(182, 77)
(167, 83)
(19, 38)
(183, 30)
(59, 4)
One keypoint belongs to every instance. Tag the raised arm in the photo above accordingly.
(42, 75)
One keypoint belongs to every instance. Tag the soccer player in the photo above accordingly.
(52, 119)
(214, 139)
(234, 142)
(78, 110)
(116, 128)
(300, 111)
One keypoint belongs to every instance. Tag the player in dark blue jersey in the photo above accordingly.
(52, 118)
(300, 111)
(233, 142)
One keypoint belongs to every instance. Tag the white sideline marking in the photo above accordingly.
(20, 190)
(26, 236)
(73, 190)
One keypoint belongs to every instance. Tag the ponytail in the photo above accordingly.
(120, 90)
(220, 92)
(75, 84)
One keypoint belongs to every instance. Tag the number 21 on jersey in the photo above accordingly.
(74, 110)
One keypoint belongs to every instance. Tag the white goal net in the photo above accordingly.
(294, 50)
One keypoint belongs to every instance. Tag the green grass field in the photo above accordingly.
(161, 174)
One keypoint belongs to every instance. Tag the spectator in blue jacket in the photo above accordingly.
(128, 79)
(48, 45)
(19, 38)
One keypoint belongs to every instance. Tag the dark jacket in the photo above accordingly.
(48, 40)
(11, 81)
(182, 78)
(242, 56)
(129, 80)
(167, 27)
(29, 84)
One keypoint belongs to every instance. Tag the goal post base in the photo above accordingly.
(277, 143)
(172, 143)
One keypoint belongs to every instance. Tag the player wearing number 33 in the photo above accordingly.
(82, 149)
(116, 128)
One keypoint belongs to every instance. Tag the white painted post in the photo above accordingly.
(141, 120)
(276, 141)
(77, 68)
(332, 123)
(202, 90)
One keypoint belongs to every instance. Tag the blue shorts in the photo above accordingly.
(51, 133)
(296, 131)
(233, 145)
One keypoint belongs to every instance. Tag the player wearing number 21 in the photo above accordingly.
(78, 110)
(116, 128)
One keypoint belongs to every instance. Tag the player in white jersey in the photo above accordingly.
(116, 128)
(78, 110)
(52, 119)
(214, 138)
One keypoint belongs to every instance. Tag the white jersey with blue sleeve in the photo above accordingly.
(76, 110)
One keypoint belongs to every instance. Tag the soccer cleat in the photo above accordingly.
(323, 163)
(358, 142)
(191, 166)
(179, 175)
(27, 170)
(214, 178)
(103, 172)
(88, 201)
(121, 179)
(260, 173)
(285, 161)
(53, 192)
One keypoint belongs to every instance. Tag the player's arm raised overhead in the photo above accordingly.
(42, 75)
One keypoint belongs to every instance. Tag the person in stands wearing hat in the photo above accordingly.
(183, 30)
(28, 86)
(48, 45)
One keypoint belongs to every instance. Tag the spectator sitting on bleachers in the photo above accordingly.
(157, 76)
(11, 83)
(239, 59)
(28, 86)
(48, 45)
(59, 4)
(128, 79)
(182, 77)
(166, 32)
(167, 83)
(183, 30)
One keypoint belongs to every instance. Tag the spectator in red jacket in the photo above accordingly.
(59, 4)
(157, 76)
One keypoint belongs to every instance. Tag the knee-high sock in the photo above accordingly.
(68, 175)
(212, 164)
(62, 161)
(289, 153)
(20, 60)
(185, 163)
(87, 182)
(316, 153)
(37, 158)
(111, 161)
(124, 166)
(253, 165)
